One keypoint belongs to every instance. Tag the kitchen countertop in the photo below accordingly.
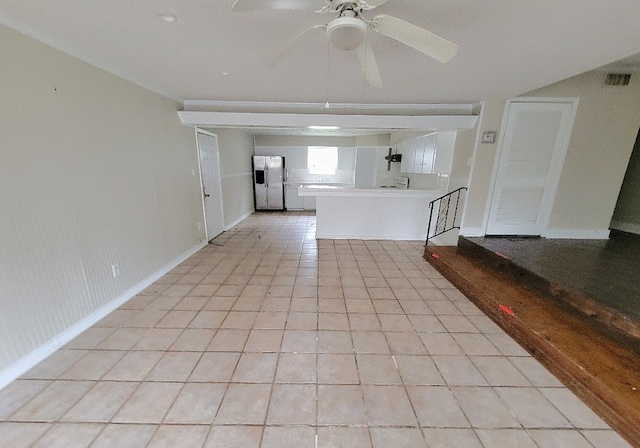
(295, 183)
(337, 191)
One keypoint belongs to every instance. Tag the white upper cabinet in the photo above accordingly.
(418, 154)
(407, 162)
(429, 154)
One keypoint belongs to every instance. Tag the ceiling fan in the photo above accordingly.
(348, 30)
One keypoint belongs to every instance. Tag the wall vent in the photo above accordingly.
(617, 79)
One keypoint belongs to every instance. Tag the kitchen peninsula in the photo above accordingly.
(371, 214)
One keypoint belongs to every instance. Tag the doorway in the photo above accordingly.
(626, 216)
(209, 156)
(534, 144)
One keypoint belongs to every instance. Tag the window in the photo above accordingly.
(322, 159)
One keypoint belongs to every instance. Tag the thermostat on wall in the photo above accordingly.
(489, 137)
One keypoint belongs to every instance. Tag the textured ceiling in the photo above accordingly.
(506, 47)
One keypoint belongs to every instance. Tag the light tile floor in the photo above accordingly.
(269, 338)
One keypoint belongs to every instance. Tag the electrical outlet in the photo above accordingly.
(115, 270)
(199, 226)
(193, 172)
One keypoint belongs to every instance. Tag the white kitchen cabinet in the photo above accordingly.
(408, 154)
(309, 203)
(292, 200)
(419, 159)
(418, 155)
(401, 149)
(429, 154)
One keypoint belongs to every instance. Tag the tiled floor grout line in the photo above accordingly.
(236, 267)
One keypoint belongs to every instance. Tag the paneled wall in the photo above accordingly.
(94, 172)
(236, 149)
(602, 140)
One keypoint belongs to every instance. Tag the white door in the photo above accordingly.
(535, 142)
(211, 184)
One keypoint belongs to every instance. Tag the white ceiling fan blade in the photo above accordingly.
(296, 5)
(370, 4)
(422, 40)
(369, 65)
(275, 57)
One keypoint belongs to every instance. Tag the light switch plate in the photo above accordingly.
(489, 137)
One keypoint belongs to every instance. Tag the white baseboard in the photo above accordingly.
(371, 237)
(27, 362)
(626, 227)
(238, 221)
(576, 234)
(472, 231)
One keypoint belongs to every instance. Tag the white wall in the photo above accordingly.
(366, 166)
(94, 170)
(297, 168)
(481, 171)
(602, 139)
(292, 140)
(603, 136)
(459, 177)
(367, 160)
(386, 174)
(236, 149)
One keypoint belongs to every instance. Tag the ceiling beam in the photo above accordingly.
(385, 123)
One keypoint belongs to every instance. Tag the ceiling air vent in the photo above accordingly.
(617, 79)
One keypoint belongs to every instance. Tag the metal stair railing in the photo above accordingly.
(445, 217)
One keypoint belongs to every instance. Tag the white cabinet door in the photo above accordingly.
(411, 153)
(418, 154)
(293, 201)
(429, 153)
(402, 149)
(309, 202)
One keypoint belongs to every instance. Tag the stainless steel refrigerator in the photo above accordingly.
(268, 182)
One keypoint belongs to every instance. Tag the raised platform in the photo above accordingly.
(597, 278)
(603, 371)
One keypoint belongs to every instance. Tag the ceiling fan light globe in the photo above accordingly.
(346, 33)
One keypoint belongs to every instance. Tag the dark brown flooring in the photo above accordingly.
(599, 278)
(600, 369)
(608, 271)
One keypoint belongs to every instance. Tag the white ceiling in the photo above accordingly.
(506, 47)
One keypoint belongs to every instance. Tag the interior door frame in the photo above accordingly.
(200, 175)
(557, 170)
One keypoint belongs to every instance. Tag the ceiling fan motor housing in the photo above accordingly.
(346, 33)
